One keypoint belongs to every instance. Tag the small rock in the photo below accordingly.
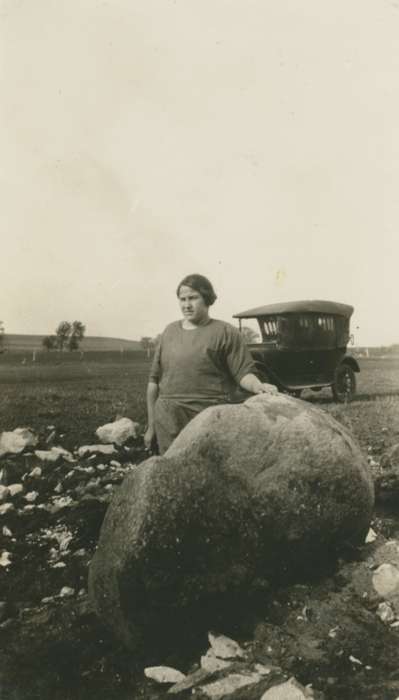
(114, 463)
(16, 441)
(371, 536)
(58, 488)
(223, 687)
(35, 473)
(15, 489)
(263, 670)
(164, 674)
(118, 432)
(6, 508)
(356, 661)
(386, 580)
(66, 592)
(51, 437)
(224, 647)
(63, 502)
(54, 454)
(211, 663)
(190, 681)
(6, 531)
(31, 496)
(290, 690)
(58, 565)
(93, 449)
(5, 559)
(385, 612)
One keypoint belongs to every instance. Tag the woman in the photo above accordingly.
(196, 363)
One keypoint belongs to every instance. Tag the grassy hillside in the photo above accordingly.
(28, 343)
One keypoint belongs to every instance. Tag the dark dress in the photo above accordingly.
(195, 368)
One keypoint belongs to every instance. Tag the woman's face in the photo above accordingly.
(192, 305)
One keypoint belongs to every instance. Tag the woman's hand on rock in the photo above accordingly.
(265, 388)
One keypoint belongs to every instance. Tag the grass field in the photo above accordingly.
(79, 394)
(72, 394)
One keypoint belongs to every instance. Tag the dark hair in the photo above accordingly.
(201, 285)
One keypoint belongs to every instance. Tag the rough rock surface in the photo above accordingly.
(118, 432)
(245, 492)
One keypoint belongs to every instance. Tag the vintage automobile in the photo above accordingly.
(302, 345)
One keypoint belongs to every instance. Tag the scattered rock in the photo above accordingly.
(118, 432)
(31, 496)
(164, 674)
(54, 454)
(66, 592)
(94, 449)
(35, 473)
(15, 489)
(210, 662)
(6, 508)
(224, 687)
(371, 536)
(191, 681)
(224, 647)
(386, 580)
(4, 493)
(5, 559)
(385, 612)
(290, 690)
(16, 441)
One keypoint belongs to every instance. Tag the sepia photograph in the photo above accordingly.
(199, 350)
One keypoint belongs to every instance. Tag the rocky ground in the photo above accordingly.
(336, 632)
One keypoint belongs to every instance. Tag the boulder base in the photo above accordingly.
(244, 494)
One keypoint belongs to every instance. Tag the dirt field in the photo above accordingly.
(55, 648)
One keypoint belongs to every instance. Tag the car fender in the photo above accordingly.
(349, 360)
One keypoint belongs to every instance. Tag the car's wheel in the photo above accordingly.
(344, 386)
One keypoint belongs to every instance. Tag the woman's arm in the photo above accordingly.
(251, 383)
(152, 395)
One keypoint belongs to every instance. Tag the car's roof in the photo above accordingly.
(287, 307)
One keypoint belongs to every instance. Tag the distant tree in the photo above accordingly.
(1, 336)
(76, 335)
(147, 343)
(62, 333)
(250, 336)
(49, 342)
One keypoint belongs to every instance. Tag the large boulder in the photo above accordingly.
(245, 493)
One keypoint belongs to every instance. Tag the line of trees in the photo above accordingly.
(68, 336)
(1, 336)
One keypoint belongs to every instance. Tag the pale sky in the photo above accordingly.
(253, 141)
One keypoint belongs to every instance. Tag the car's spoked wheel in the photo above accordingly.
(344, 386)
